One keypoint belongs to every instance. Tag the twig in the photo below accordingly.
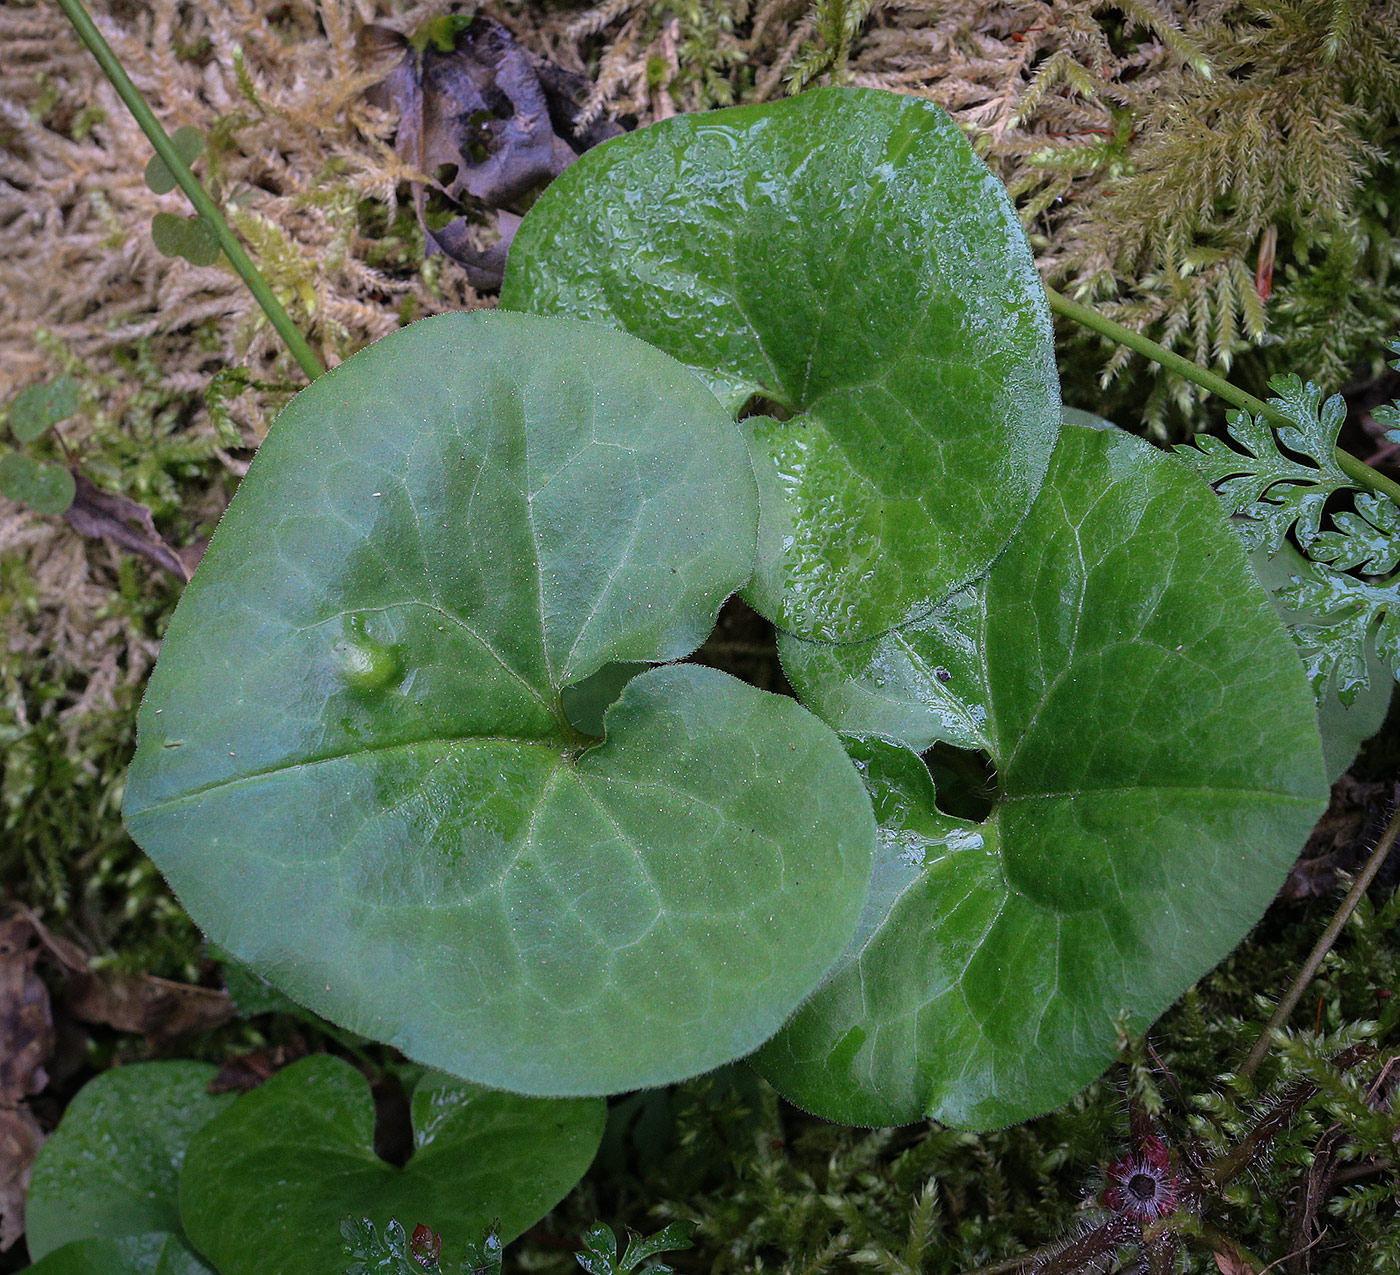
(1357, 470)
(1324, 945)
(189, 183)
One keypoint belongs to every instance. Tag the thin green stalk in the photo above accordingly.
(189, 183)
(1357, 470)
(1324, 945)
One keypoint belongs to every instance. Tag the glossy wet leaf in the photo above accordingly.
(189, 145)
(1157, 764)
(45, 488)
(154, 1254)
(266, 1185)
(189, 237)
(844, 255)
(355, 768)
(112, 1166)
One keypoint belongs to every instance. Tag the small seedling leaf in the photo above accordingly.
(671, 1239)
(189, 237)
(46, 488)
(1157, 766)
(189, 145)
(38, 407)
(254, 1200)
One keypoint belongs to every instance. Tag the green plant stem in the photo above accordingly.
(189, 183)
(1324, 945)
(1357, 470)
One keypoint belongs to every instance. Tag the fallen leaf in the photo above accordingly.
(1230, 1262)
(105, 514)
(157, 1007)
(26, 1023)
(249, 1070)
(26, 1043)
(20, 1140)
(497, 120)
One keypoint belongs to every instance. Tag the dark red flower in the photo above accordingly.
(1143, 1186)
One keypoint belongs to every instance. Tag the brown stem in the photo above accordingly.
(1324, 945)
(1222, 1169)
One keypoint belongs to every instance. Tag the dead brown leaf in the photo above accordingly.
(496, 120)
(156, 1007)
(1229, 1262)
(248, 1071)
(26, 1023)
(99, 514)
(26, 1043)
(20, 1140)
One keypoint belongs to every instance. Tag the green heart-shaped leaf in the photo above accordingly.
(37, 407)
(189, 237)
(1158, 767)
(45, 488)
(112, 1166)
(355, 767)
(844, 255)
(266, 1184)
(157, 1254)
(189, 145)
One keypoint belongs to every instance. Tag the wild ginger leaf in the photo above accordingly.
(1274, 492)
(111, 1168)
(159, 1253)
(265, 1183)
(1157, 765)
(845, 257)
(356, 767)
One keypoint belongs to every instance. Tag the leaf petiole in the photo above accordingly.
(1355, 469)
(189, 183)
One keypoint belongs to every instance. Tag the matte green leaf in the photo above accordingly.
(155, 1254)
(1158, 767)
(189, 237)
(112, 1166)
(37, 407)
(266, 1185)
(844, 255)
(586, 703)
(189, 145)
(355, 768)
(45, 488)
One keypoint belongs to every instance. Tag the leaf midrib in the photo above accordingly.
(556, 747)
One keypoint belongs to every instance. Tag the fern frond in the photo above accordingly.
(1348, 613)
(1272, 492)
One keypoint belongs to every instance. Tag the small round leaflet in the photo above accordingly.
(355, 767)
(845, 262)
(1158, 765)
